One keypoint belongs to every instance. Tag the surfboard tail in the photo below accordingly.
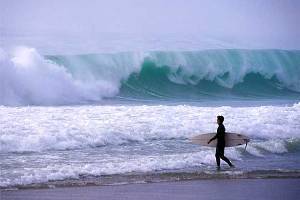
(246, 141)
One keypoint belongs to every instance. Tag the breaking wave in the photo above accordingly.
(28, 78)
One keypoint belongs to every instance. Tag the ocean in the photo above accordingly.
(123, 117)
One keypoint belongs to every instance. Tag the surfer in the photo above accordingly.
(220, 136)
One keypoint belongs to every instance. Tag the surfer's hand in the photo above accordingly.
(208, 142)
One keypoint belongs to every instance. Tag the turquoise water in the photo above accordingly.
(199, 75)
(30, 78)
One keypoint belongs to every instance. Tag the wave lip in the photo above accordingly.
(217, 74)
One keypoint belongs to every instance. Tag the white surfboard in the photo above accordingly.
(231, 139)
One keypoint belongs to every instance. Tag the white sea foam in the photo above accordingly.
(60, 128)
(44, 129)
(273, 145)
(140, 164)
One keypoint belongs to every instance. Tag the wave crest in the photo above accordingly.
(30, 78)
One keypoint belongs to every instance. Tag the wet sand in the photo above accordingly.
(198, 189)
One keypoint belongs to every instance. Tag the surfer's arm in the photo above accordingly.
(213, 138)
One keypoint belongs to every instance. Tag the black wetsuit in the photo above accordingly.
(220, 136)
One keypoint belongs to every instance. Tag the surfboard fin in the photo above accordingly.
(246, 144)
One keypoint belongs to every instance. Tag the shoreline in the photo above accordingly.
(144, 178)
(266, 188)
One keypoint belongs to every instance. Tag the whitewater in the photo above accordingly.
(44, 144)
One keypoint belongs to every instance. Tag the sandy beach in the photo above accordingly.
(199, 189)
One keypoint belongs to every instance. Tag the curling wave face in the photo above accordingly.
(28, 78)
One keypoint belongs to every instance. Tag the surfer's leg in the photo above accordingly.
(226, 160)
(220, 151)
(218, 160)
(217, 157)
